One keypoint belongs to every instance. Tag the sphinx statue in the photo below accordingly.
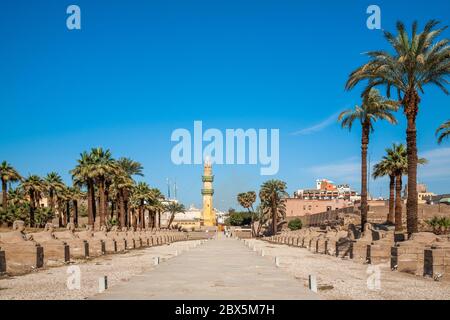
(79, 248)
(22, 253)
(56, 251)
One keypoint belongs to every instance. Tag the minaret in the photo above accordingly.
(208, 214)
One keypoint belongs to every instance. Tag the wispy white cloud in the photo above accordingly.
(318, 127)
(346, 171)
(438, 166)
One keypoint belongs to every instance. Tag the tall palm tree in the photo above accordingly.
(382, 169)
(246, 200)
(271, 194)
(53, 184)
(173, 208)
(7, 174)
(33, 186)
(123, 185)
(82, 175)
(374, 107)
(417, 60)
(443, 131)
(103, 168)
(75, 195)
(141, 195)
(155, 206)
(396, 162)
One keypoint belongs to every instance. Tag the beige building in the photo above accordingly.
(296, 207)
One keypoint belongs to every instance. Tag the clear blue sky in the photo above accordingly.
(140, 69)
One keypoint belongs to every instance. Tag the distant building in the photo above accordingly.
(327, 190)
(423, 194)
(297, 207)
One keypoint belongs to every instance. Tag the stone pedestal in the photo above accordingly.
(344, 248)
(437, 261)
(55, 251)
(2, 261)
(23, 257)
(408, 256)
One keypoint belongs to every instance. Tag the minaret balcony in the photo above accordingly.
(207, 191)
(207, 178)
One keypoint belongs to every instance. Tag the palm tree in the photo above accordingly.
(374, 107)
(82, 175)
(443, 131)
(246, 200)
(75, 195)
(417, 60)
(271, 194)
(7, 174)
(123, 184)
(103, 168)
(33, 186)
(396, 162)
(382, 169)
(173, 208)
(141, 195)
(155, 206)
(54, 184)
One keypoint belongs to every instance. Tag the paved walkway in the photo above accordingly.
(223, 268)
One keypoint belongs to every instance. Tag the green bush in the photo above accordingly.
(440, 225)
(295, 224)
(238, 219)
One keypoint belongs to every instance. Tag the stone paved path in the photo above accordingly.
(223, 268)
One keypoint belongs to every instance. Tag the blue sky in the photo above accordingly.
(137, 70)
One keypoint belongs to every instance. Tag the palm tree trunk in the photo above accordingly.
(67, 217)
(91, 203)
(159, 219)
(75, 213)
(398, 203)
(122, 213)
(411, 102)
(32, 208)
(364, 145)
(172, 216)
(4, 194)
(390, 217)
(51, 200)
(101, 193)
(274, 217)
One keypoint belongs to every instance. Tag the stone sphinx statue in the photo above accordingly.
(118, 237)
(110, 242)
(56, 251)
(79, 248)
(22, 253)
(17, 234)
(96, 245)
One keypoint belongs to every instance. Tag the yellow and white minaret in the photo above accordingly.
(208, 214)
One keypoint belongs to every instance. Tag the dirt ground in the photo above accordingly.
(346, 279)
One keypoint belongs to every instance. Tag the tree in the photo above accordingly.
(417, 60)
(443, 131)
(246, 200)
(53, 185)
(103, 169)
(141, 195)
(123, 184)
(271, 194)
(396, 163)
(82, 175)
(33, 186)
(7, 174)
(374, 107)
(382, 169)
(173, 208)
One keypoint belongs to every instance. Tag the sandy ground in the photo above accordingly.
(51, 283)
(346, 279)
